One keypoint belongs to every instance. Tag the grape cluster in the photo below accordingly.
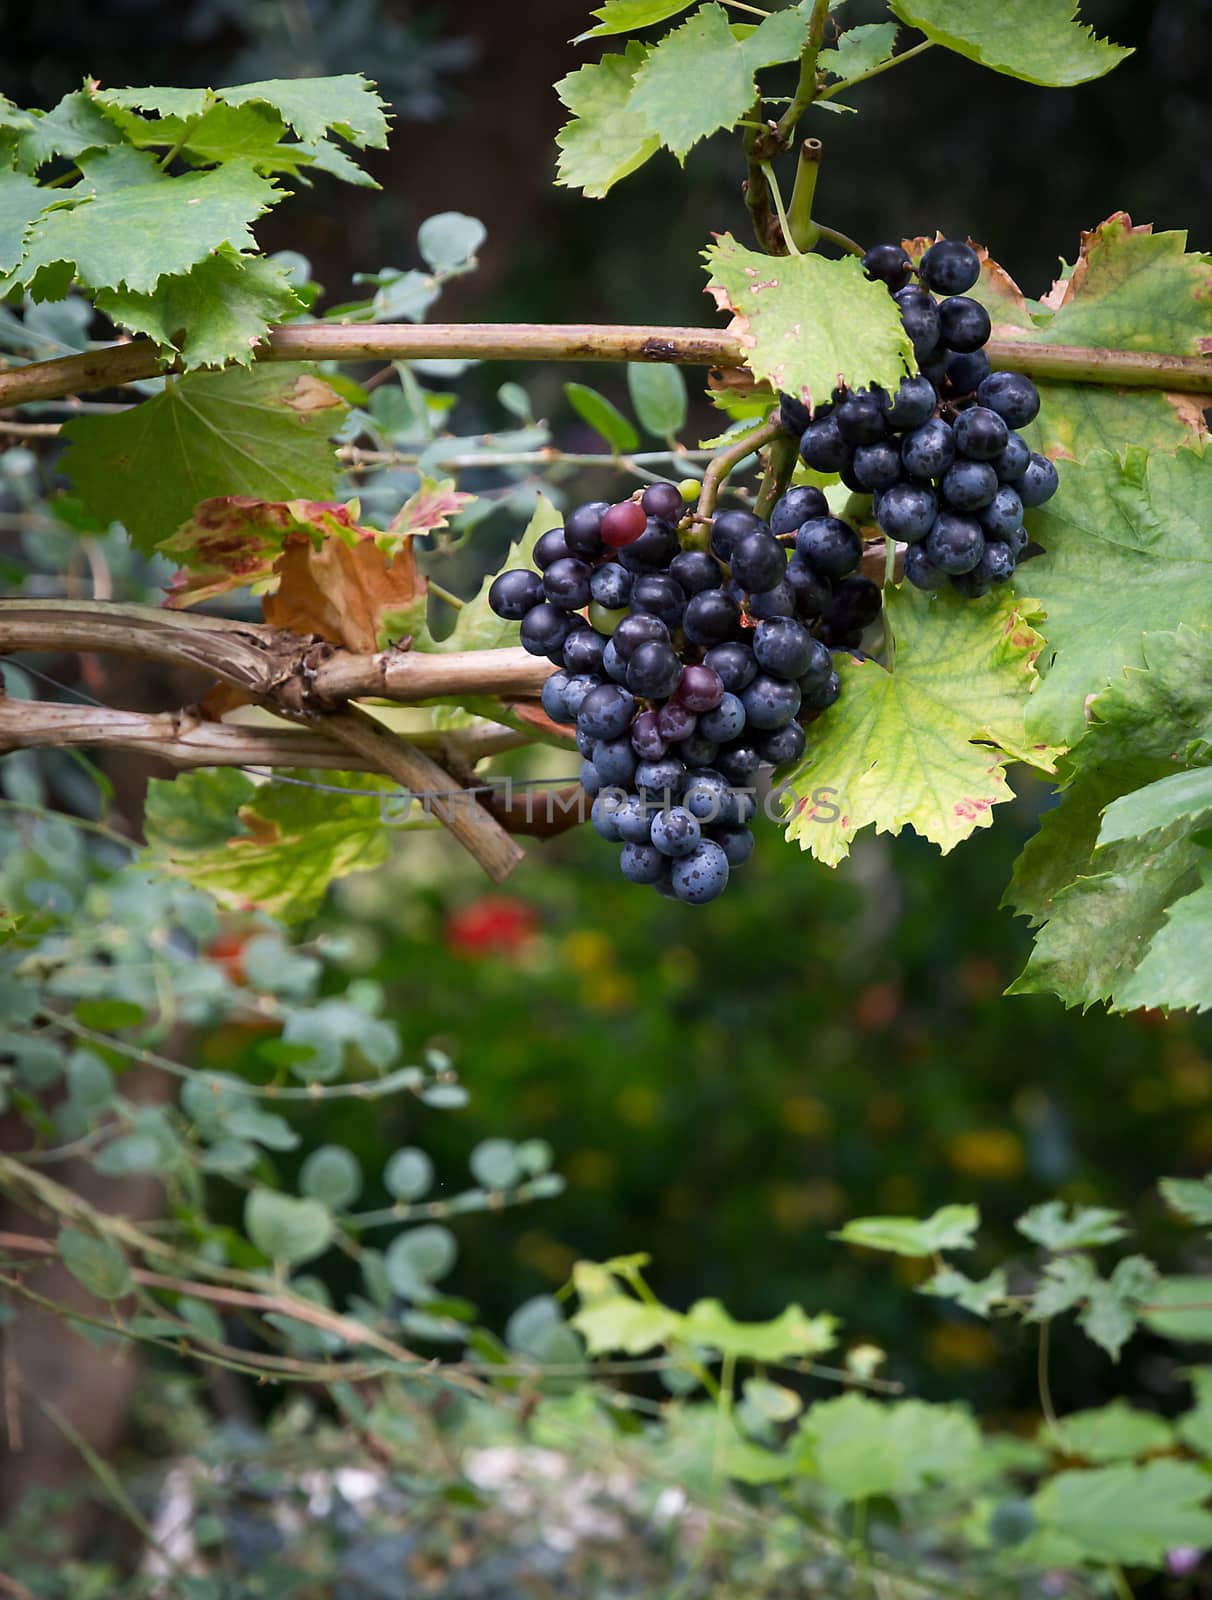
(685, 669)
(947, 473)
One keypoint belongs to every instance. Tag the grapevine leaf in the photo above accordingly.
(1126, 550)
(627, 16)
(233, 541)
(859, 1448)
(347, 104)
(1131, 289)
(1066, 1281)
(976, 1295)
(1195, 1428)
(1179, 1308)
(478, 627)
(217, 312)
(286, 1229)
(1176, 971)
(808, 323)
(1182, 796)
(924, 745)
(859, 49)
(618, 1322)
(949, 1228)
(275, 846)
(21, 201)
(68, 129)
(262, 432)
(1056, 1226)
(658, 394)
(606, 138)
(603, 417)
(354, 594)
(96, 1263)
(1040, 41)
(705, 52)
(1108, 1319)
(1077, 419)
(1126, 1513)
(184, 103)
(791, 1333)
(1114, 1432)
(1106, 908)
(1190, 1197)
(178, 222)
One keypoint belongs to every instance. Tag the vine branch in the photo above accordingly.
(118, 364)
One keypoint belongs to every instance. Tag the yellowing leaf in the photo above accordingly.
(232, 542)
(808, 323)
(353, 595)
(926, 744)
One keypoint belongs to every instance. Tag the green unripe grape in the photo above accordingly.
(689, 490)
(605, 621)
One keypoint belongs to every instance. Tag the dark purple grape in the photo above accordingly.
(653, 550)
(675, 722)
(795, 507)
(969, 485)
(738, 763)
(697, 751)
(695, 570)
(921, 571)
(610, 585)
(544, 629)
(758, 562)
(583, 529)
(861, 418)
(551, 547)
(636, 629)
(676, 831)
(734, 663)
(1012, 462)
(963, 323)
(907, 512)
(711, 618)
(888, 264)
(818, 667)
(663, 500)
(822, 698)
(999, 520)
(700, 688)
(661, 780)
(1012, 395)
(919, 314)
(642, 863)
(646, 738)
(830, 546)
(724, 722)
(877, 466)
(811, 591)
(782, 647)
(729, 527)
(822, 447)
(615, 761)
(928, 451)
(912, 404)
(770, 702)
(855, 605)
(980, 434)
(955, 543)
(776, 602)
(514, 593)
(794, 415)
(965, 374)
(949, 267)
(781, 747)
(1039, 482)
(566, 583)
(653, 670)
(660, 596)
(583, 651)
(606, 711)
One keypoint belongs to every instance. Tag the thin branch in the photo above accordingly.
(805, 89)
(185, 739)
(476, 829)
(874, 72)
(724, 463)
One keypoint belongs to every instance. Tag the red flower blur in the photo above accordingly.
(493, 925)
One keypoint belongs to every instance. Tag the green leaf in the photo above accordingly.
(1128, 1513)
(977, 1296)
(859, 1448)
(408, 1175)
(859, 49)
(419, 1257)
(1190, 1197)
(949, 1228)
(1114, 1432)
(1065, 1283)
(808, 323)
(627, 16)
(21, 200)
(347, 104)
(617, 1322)
(285, 1229)
(658, 395)
(478, 627)
(263, 432)
(1126, 551)
(332, 1176)
(1059, 1227)
(1106, 909)
(1039, 41)
(131, 1152)
(1180, 1308)
(217, 312)
(178, 221)
(603, 417)
(494, 1164)
(184, 103)
(329, 1030)
(96, 1263)
(69, 129)
(1078, 419)
(276, 846)
(1176, 971)
(448, 241)
(791, 1333)
(109, 1016)
(912, 746)
(1184, 796)
(606, 139)
(1195, 1426)
(705, 52)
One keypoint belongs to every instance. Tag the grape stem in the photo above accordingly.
(806, 88)
(874, 72)
(780, 464)
(724, 463)
(803, 230)
(789, 245)
(842, 240)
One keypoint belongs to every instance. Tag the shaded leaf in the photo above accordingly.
(859, 1448)
(658, 394)
(96, 1263)
(1113, 1432)
(286, 1229)
(949, 1228)
(1037, 40)
(1129, 1513)
(1059, 1227)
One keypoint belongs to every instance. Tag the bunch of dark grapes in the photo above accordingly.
(947, 473)
(686, 662)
